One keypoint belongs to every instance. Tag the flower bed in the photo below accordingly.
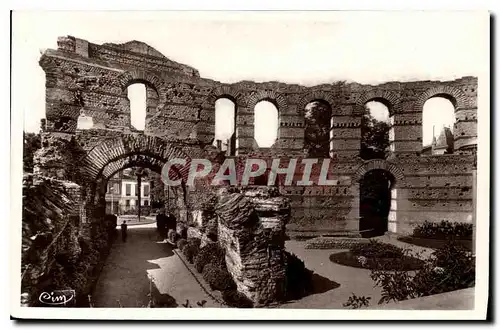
(447, 269)
(376, 255)
(329, 243)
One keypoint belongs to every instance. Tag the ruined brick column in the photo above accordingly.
(55, 160)
(251, 230)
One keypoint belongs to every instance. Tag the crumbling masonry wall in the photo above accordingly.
(251, 230)
(57, 252)
(181, 108)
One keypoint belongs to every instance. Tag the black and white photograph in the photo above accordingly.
(250, 165)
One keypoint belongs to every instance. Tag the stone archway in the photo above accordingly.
(379, 164)
(125, 151)
(113, 149)
(387, 197)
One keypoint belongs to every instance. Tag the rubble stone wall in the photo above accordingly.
(181, 108)
(58, 251)
(251, 229)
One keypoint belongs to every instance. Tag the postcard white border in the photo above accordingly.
(482, 270)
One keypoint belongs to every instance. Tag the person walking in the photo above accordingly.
(124, 231)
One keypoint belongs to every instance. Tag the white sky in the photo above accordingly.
(305, 48)
(438, 112)
(266, 124)
(224, 120)
(378, 110)
(137, 96)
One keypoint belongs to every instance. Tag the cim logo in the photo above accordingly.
(57, 297)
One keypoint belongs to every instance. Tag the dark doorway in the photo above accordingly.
(375, 202)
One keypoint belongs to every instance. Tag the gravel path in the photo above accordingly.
(125, 276)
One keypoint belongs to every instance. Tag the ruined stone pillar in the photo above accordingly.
(251, 230)
(406, 133)
(244, 130)
(465, 129)
(345, 136)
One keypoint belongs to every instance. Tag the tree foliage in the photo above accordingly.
(447, 269)
(317, 129)
(374, 137)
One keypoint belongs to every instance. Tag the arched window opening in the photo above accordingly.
(317, 133)
(377, 132)
(265, 124)
(136, 93)
(225, 122)
(438, 118)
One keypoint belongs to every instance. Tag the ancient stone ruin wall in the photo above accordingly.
(435, 188)
(181, 109)
(251, 229)
(58, 252)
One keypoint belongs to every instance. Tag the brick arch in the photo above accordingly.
(132, 160)
(138, 76)
(315, 96)
(379, 164)
(114, 152)
(455, 95)
(226, 91)
(267, 95)
(390, 99)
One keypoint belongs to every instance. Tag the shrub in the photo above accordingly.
(211, 229)
(172, 235)
(298, 278)
(183, 231)
(443, 230)
(190, 251)
(450, 268)
(233, 298)
(218, 277)
(210, 253)
(194, 241)
(181, 243)
(356, 302)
